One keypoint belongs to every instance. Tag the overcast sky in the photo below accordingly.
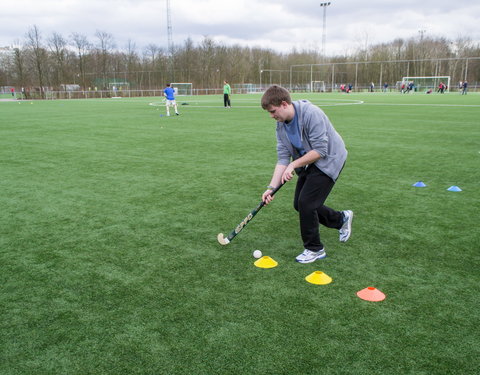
(279, 25)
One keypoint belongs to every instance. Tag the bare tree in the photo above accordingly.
(187, 56)
(19, 64)
(38, 55)
(207, 64)
(105, 47)
(131, 56)
(151, 52)
(131, 61)
(58, 47)
(83, 46)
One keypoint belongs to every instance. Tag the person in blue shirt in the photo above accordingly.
(308, 144)
(170, 99)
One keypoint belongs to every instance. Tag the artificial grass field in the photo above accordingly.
(109, 214)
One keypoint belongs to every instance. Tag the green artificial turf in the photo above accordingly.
(109, 213)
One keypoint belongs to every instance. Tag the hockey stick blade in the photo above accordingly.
(222, 240)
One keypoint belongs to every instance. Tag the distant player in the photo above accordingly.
(226, 94)
(441, 88)
(170, 99)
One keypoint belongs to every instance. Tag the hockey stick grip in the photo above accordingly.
(250, 216)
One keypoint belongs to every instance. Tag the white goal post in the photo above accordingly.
(317, 86)
(428, 83)
(182, 88)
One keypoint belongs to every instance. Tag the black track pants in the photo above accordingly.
(226, 100)
(313, 188)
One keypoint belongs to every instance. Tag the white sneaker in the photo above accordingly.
(309, 256)
(346, 229)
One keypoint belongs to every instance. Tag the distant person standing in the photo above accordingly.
(372, 86)
(385, 87)
(441, 88)
(410, 87)
(226, 94)
(12, 90)
(169, 93)
(464, 88)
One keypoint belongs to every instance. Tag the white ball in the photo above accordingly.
(257, 254)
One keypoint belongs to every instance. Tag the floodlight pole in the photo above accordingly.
(169, 29)
(420, 71)
(466, 69)
(324, 34)
(170, 41)
(422, 32)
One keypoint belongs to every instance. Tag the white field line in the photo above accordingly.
(424, 105)
(337, 102)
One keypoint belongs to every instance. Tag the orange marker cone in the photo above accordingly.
(265, 262)
(371, 294)
(319, 278)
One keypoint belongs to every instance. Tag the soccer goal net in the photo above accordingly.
(317, 86)
(428, 83)
(182, 88)
(117, 88)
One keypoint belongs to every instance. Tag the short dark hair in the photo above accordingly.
(274, 96)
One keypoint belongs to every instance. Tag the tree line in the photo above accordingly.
(95, 62)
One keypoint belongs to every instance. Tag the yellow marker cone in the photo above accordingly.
(319, 278)
(265, 262)
(371, 294)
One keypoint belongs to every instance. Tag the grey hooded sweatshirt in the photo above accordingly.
(317, 133)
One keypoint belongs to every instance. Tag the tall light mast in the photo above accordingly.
(170, 43)
(169, 29)
(324, 35)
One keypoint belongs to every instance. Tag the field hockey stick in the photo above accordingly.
(226, 240)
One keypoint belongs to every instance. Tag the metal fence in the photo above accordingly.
(297, 78)
(104, 94)
(360, 74)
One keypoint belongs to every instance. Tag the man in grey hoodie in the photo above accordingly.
(308, 144)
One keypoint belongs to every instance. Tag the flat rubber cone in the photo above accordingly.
(319, 278)
(265, 262)
(454, 188)
(419, 184)
(371, 294)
